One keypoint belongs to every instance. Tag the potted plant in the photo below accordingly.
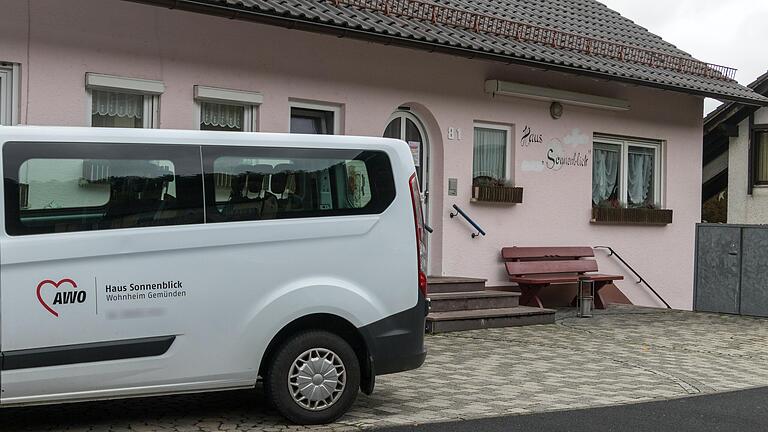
(612, 212)
(489, 189)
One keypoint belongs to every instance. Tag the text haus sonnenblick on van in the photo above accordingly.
(140, 262)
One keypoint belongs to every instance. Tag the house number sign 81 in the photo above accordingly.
(454, 133)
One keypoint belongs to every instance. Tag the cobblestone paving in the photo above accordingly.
(622, 355)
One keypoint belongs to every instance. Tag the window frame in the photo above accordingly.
(149, 89)
(758, 129)
(659, 165)
(186, 160)
(9, 93)
(317, 106)
(250, 101)
(509, 162)
(383, 188)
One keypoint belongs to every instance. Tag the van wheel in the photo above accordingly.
(313, 378)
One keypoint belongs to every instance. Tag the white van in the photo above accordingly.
(141, 262)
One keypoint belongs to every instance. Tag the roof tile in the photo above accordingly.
(588, 18)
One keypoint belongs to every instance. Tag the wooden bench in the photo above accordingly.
(534, 268)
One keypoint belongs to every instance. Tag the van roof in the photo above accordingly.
(195, 137)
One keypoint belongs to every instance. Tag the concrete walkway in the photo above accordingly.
(622, 355)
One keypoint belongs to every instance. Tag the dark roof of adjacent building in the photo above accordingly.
(733, 111)
(719, 126)
(581, 20)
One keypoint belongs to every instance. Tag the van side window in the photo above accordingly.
(256, 183)
(81, 187)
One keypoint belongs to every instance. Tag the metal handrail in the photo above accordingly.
(640, 278)
(469, 219)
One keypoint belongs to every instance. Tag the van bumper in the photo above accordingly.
(396, 343)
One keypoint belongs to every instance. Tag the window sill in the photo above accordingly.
(497, 194)
(631, 216)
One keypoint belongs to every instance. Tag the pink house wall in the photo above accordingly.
(58, 42)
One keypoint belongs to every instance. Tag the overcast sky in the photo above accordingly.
(726, 32)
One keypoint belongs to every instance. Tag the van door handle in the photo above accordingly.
(428, 228)
(732, 253)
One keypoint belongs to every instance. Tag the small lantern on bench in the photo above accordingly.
(585, 297)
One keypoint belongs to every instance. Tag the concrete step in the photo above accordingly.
(442, 322)
(473, 300)
(446, 284)
(509, 287)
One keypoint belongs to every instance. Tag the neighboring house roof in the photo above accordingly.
(719, 126)
(728, 110)
(570, 24)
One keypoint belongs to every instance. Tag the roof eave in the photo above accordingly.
(733, 112)
(728, 110)
(246, 14)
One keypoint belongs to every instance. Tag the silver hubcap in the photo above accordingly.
(316, 379)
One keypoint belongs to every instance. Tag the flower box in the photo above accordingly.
(497, 194)
(631, 216)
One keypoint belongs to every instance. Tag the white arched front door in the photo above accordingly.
(404, 125)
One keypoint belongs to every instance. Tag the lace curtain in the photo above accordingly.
(115, 104)
(605, 173)
(489, 158)
(219, 115)
(640, 176)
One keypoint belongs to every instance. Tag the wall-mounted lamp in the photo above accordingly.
(556, 110)
(506, 88)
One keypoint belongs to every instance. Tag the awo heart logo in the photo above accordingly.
(61, 297)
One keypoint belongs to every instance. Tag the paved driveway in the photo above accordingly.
(740, 410)
(620, 356)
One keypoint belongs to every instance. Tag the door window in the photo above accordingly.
(405, 126)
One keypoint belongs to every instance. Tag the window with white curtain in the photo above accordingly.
(626, 173)
(115, 109)
(123, 102)
(223, 117)
(227, 110)
(491, 162)
(9, 94)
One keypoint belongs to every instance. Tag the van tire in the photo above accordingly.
(290, 354)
